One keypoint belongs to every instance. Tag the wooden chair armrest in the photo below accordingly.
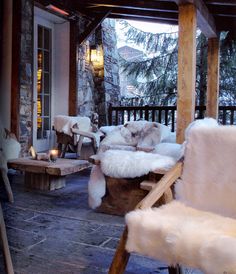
(83, 133)
(161, 186)
(94, 160)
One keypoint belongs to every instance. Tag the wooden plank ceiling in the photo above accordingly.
(223, 12)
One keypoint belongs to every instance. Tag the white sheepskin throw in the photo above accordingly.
(149, 133)
(119, 136)
(175, 233)
(129, 164)
(8, 144)
(63, 123)
(202, 123)
(175, 151)
(209, 179)
(135, 133)
(96, 187)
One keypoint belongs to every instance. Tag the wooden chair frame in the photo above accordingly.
(157, 190)
(3, 234)
(65, 140)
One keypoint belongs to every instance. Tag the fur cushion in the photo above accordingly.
(209, 178)
(8, 144)
(135, 133)
(129, 164)
(175, 233)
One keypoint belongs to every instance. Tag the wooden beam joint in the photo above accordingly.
(92, 27)
(205, 20)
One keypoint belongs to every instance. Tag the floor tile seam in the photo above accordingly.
(26, 248)
(90, 245)
(33, 245)
(105, 242)
(26, 231)
(67, 217)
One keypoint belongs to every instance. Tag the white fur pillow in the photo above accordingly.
(129, 164)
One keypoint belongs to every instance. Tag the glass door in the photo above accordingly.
(43, 84)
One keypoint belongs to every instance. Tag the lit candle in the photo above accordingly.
(53, 155)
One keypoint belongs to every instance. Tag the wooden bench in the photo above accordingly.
(46, 175)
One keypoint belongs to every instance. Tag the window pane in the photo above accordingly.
(40, 37)
(46, 83)
(46, 105)
(46, 38)
(39, 106)
(46, 124)
(39, 133)
(40, 59)
(46, 61)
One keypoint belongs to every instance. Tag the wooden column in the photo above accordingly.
(15, 71)
(186, 68)
(72, 70)
(212, 78)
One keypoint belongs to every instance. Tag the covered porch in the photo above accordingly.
(56, 232)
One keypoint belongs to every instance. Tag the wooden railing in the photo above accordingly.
(164, 114)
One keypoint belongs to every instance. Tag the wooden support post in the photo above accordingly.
(212, 78)
(15, 70)
(72, 73)
(186, 68)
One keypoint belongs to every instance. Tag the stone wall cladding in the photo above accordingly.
(98, 88)
(26, 76)
(111, 65)
(108, 89)
(85, 84)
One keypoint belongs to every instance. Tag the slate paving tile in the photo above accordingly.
(29, 264)
(63, 222)
(56, 232)
(20, 239)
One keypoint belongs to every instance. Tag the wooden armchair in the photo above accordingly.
(199, 228)
(3, 235)
(77, 133)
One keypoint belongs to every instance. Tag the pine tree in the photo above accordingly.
(159, 71)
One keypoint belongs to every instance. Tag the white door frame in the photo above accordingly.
(41, 144)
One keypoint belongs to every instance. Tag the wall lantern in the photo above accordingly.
(96, 56)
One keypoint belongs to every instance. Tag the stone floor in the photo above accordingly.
(56, 232)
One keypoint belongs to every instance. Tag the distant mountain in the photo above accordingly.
(130, 54)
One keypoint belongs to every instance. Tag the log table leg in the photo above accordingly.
(43, 181)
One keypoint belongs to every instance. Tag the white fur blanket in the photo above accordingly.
(123, 164)
(175, 233)
(129, 164)
(63, 123)
(135, 133)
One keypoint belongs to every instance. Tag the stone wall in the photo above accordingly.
(26, 76)
(107, 85)
(85, 82)
(98, 87)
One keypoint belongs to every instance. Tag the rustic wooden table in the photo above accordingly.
(46, 175)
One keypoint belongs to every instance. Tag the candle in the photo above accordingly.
(53, 155)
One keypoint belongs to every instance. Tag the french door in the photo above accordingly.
(43, 37)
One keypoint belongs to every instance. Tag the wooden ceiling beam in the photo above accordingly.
(221, 2)
(140, 5)
(223, 11)
(142, 13)
(205, 20)
(92, 26)
(153, 20)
